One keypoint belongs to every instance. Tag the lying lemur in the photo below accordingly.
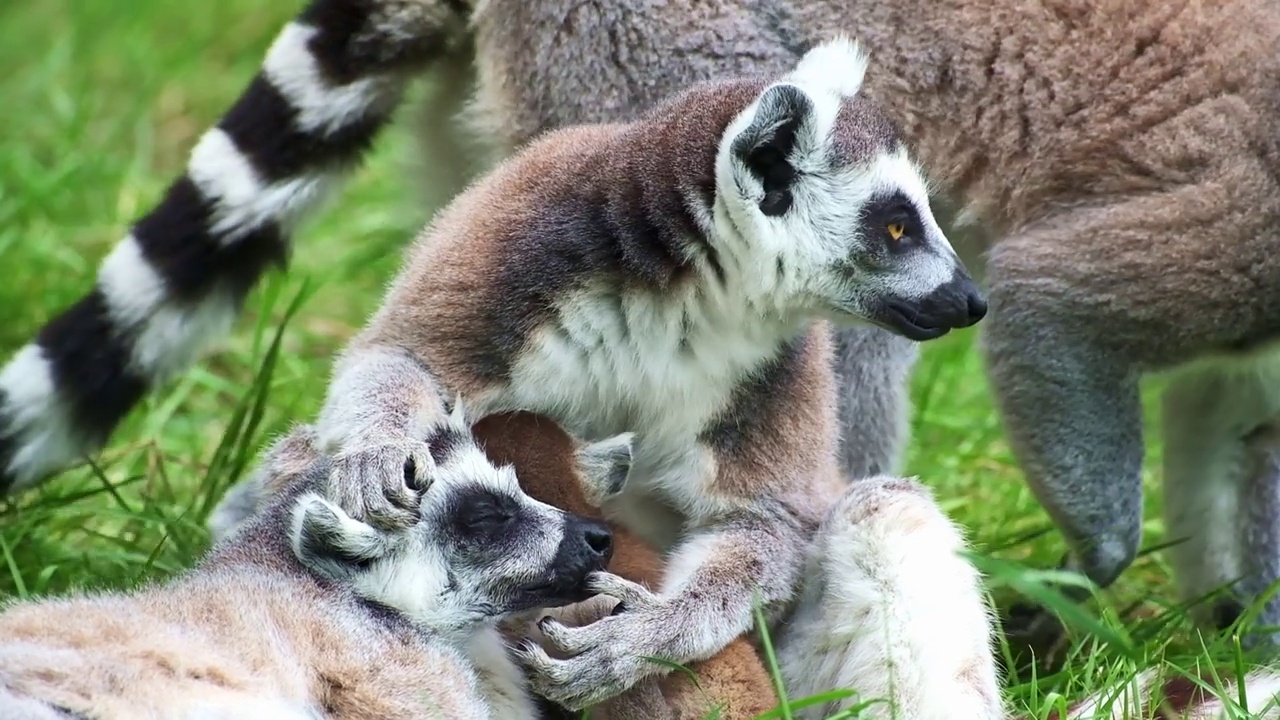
(305, 612)
(556, 469)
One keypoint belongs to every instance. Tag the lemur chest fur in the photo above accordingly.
(662, 367)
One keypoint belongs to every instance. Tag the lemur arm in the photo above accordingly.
(708, 599)
(174, 285)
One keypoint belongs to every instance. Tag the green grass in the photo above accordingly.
(102, 103)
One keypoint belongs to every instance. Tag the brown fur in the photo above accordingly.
(735, 679)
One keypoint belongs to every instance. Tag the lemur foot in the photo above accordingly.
(606, 657)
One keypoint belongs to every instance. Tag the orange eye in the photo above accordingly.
(896, 230)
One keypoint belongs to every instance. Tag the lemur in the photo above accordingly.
(1083, 150)
(305, 612)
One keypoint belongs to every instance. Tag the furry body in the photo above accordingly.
(1115, 162)
(276, 622)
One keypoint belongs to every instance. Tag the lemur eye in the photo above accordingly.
(896, 230)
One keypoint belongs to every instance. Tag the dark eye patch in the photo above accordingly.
(892, 209)
(481, 516)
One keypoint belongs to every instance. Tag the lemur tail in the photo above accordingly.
(175, 284)
(1174, 696)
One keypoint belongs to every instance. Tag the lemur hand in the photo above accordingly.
(379, 484)
(606, 657)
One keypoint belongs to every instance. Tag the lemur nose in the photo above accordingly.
(977, 307)
(600, 540)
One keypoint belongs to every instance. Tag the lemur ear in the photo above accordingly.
(605, 466)
(331, 542)
(837, 65)
(768, 145)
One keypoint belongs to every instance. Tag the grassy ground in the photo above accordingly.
(102, 103)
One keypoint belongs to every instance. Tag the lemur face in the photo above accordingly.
(824, 195)
(482, 548)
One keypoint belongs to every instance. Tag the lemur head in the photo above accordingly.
(481, 550)
(817, 187)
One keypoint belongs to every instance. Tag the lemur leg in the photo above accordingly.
(1069, 404)
(892, 611)
(174, 285)
(873, 368)
(1220, 479)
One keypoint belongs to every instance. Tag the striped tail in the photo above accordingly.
(1151, 696)
(176, 283)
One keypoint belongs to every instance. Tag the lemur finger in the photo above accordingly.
(630, 594)
(544, 671)
(570, 641)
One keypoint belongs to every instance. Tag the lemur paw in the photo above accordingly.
(380, 484)
(608, 656)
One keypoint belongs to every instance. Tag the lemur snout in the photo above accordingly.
(958, 303)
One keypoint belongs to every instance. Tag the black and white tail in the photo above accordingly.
(176, 283)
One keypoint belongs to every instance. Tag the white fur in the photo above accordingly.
(226, 176)
(170, 337)
(322, 107)
(837, 65)
(241, 201)
(48, 441)
(892, 611)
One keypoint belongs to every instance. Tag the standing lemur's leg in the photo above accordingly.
(892, 611)
(1081, 304)
(1221, 482)
(174, 285)
(873, 369)
(1069, 402)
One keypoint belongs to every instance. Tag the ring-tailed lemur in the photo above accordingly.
(304, 611)
(1094, 150)
(674, 277)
